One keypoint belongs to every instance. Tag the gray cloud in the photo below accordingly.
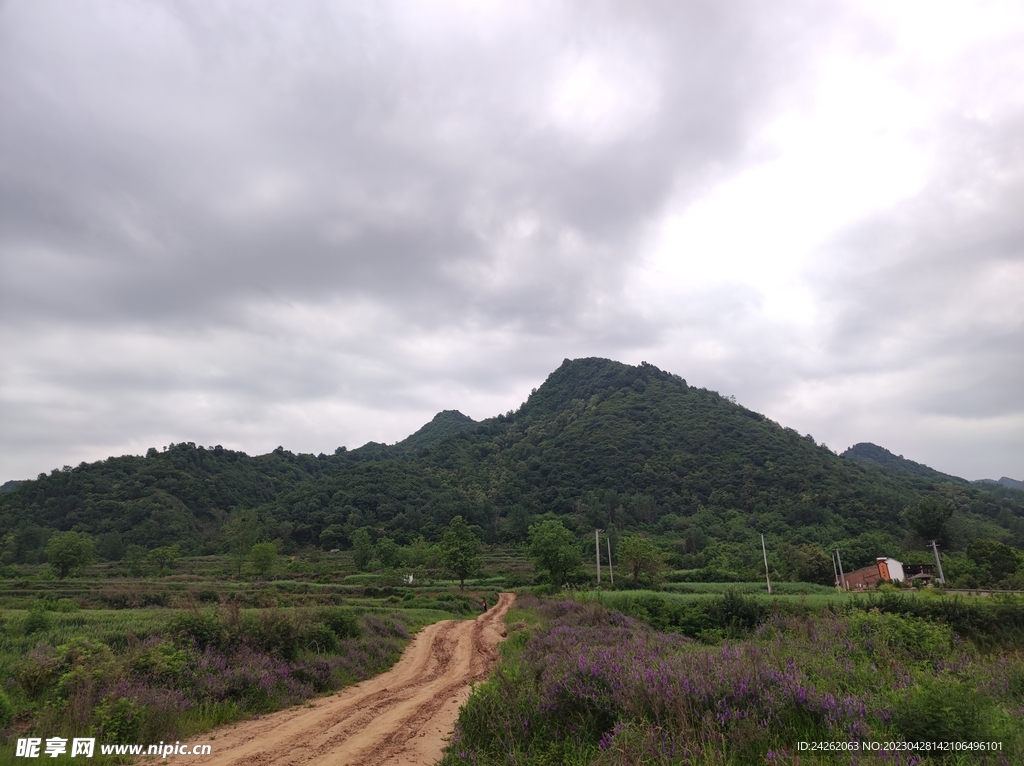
(318, 224)
(188, 161)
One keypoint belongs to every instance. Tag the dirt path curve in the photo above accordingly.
(402, 717)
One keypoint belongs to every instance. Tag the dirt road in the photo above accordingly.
(401, 717)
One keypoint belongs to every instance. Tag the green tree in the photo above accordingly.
(332, 537)
(241, 532)
(461, 550)
(362, 548)
(554, 548)
(994, 560)
(805, 563)
(68, 552)
(639, 556)
(133, 560)
(263, 556)
(420, 553)
(928, 518)
(389, 552)
(161, 559)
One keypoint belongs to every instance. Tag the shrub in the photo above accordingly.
(6, 710)
(119, 720)
(274, 632)
(159, 661)
(942, 709)
(321, 639)
(342, 622)
(38, 671)
(37, 620)
(204, 629)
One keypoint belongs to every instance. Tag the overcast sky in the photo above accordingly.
(315, 224)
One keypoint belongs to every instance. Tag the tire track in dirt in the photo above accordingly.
(399, 718)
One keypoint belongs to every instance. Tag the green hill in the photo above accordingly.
(444, 424)
(599, 444)
(872, 456)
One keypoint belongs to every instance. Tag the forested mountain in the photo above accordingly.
(599, 444)
(444, 424)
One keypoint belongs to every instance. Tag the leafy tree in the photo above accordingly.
(389, 552)
(994, 560)
(161, 559)
(806, 563)
(110, 546)
(263, 557)
(133, 560)
(639, 556)
(554, 548)
(928, 518)
(332, 536)
(461, 550)
(68, 552)
(362, 548)
(241, 532)
(420, 553)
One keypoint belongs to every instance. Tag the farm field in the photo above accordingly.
(150, 659)
(145, 659)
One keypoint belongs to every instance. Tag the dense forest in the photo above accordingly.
(599, 444)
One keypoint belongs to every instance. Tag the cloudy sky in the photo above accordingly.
(315, 224)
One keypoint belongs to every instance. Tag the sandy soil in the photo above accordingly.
(401, 717)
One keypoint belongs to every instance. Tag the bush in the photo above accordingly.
(942, 709)
(278, 634)
(204, 629)
(119, 720)
(38, 671)
(321, 639)
(37, 620)
(6, 710)
(342, 622)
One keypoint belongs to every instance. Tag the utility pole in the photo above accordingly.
(835, 571)
(938, 563)
(611, 574)
(842, 577)
(597, 550)
(766, 577)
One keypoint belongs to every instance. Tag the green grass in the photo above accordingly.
(122, 612)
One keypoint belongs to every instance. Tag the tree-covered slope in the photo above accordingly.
(608, 445)
(872, 456)
(599, 444)
(179, 495)
(444, 424)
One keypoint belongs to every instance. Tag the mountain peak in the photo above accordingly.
(580, 379)
(441, 426)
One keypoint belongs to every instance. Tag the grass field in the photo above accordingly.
(140, 659)
(144, 659)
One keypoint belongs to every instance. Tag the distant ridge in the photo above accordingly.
(10, 486)
(872, 456)
(1004, 481)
